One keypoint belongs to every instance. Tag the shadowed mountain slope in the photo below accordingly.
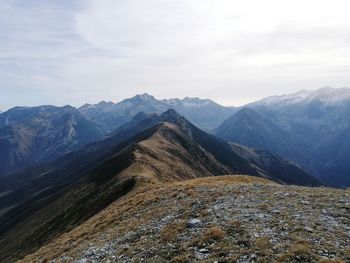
(29, 136)
(286, 171)
(252, 129)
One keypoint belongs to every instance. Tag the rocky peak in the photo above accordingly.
(143, 97)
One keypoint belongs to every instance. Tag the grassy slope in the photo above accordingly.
(242, 217)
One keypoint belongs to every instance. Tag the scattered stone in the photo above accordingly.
(253, 256)
(204, 251)
(195, 222)
(308, 229)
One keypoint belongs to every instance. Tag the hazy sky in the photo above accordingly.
(77, 51)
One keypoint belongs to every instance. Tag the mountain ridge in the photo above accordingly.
(168, 149)
(305, 127)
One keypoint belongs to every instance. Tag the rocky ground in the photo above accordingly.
(223, 219)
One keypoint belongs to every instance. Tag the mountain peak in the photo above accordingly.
(171, 112)
(172, 116)
(144, 96)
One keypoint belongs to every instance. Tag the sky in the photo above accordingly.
(234, 52)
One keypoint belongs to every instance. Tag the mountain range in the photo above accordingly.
(44, 201)
(310, 128)
(204, 113)
(33, 135)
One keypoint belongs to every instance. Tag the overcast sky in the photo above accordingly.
(77, 51)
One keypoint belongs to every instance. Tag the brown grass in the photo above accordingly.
(224, 180)
(171, 231)
(300, 251)
(330, 261)
(262, 245)
(214, 233)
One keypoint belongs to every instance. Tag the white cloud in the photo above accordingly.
(228, 50)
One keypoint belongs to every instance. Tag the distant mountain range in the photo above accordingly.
(310, 128)
(33, 135)
(63, 193)
(204, 113)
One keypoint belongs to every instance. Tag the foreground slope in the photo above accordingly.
(167, 148)
(217, 219)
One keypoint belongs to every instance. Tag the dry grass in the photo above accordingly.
(300, 251)
(330, 261)
(262, 245)
(214, 234)
(171, 231)
(227, 241)
(235, 228)
(225, 180)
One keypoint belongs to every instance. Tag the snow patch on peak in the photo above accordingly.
(326, 95)
(330, 96)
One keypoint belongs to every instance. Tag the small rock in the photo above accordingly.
(204, 251)
(308, 229)
(195, 222)
(253, 256)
